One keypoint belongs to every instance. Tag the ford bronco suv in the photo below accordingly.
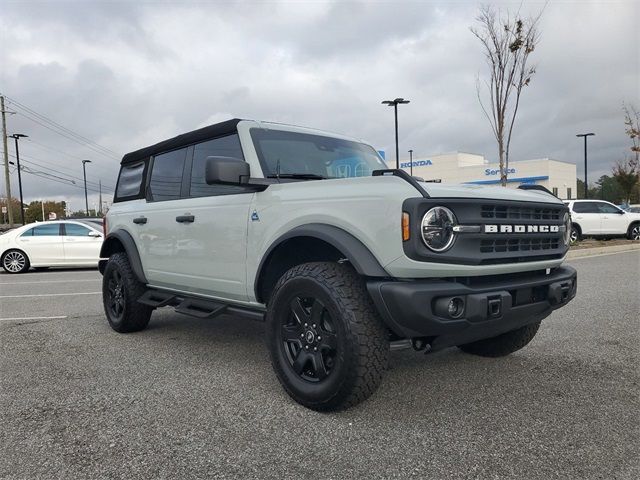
(343, 258)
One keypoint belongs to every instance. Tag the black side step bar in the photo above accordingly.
(196, 307)
(403, 175)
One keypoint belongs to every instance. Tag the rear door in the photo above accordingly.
(81, 244)
(43, 244)
(588, 216)
(194, 238)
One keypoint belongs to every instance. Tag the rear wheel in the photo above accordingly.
(120, 293)
(504, 344)
(634, 232)
(15, 261)
(328, 347)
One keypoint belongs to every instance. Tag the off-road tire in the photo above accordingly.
(133, 316)
(504, 344)
(24, 267)
(362, 349)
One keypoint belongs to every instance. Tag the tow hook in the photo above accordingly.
(420, 344)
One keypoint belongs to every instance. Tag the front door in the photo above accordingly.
(81, 244)
(588, 216)
(613, 220)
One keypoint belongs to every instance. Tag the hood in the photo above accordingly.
(465, 190)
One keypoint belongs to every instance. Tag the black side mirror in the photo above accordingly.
(232, 171)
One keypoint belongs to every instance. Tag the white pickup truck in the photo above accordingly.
(340, 255)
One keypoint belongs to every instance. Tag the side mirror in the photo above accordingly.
(94, 234)
(227, 170)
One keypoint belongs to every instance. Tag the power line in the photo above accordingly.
(69, 133)
(31, 161)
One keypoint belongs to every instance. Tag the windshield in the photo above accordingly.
(314, 156)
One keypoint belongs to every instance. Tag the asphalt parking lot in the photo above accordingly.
(188, 398)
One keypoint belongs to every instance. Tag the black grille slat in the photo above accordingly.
(519, 244)
(509, 212)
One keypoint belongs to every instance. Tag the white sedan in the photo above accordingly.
(65, 243)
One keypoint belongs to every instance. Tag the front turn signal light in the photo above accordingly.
(405, 226)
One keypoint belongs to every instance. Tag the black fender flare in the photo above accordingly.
(364, 262)
(130, 248)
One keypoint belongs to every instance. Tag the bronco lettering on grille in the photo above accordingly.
(521, 228)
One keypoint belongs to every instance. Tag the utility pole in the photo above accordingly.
(586, 185)
(100, 204)
(7, 179)
(16, 137)
(84, 173)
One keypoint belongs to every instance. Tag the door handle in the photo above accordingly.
(140, 220)
(185, 218)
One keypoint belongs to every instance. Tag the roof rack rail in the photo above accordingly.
(403, 175)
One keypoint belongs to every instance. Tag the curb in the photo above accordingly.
(588, 252)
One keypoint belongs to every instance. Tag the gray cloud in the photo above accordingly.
(126, 74)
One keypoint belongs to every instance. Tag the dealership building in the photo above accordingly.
(457, 167)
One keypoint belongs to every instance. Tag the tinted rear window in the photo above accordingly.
(130, 181)
(166, 175)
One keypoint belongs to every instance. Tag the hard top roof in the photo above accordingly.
(212, 131)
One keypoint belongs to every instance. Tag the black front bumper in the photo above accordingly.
(492, 305)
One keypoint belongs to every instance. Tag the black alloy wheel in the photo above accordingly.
(309, 339)
(114, 295)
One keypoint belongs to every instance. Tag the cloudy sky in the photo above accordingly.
(124, 74)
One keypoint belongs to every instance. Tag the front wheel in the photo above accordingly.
(504, 344)
(575, 234)
(634, 232)
(120, 293)
(15, 261)
(328, 346)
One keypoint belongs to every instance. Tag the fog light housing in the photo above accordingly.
(455, 308)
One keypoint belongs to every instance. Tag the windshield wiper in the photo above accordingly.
(306, 176)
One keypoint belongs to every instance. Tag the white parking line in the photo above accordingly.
(35, 318)
(53, 281)
(50, 295)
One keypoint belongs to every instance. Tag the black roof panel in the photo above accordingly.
(195, 136)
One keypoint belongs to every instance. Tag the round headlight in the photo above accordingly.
(437, 229)
(567, 228)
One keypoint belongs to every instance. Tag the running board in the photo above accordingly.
(196, 307)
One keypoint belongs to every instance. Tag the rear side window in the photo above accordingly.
(75, 230)
(166, 175)
(130, 180)
(51, 230)
(586, 207)
(228, 146)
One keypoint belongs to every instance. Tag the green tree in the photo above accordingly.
(627, 175)
(34, 211)
(15, 209)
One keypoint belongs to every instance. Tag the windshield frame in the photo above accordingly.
(269, 172)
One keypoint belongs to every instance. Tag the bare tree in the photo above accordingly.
(508, 40)
(627, 174)
(632, 124)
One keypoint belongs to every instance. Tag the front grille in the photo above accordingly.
(519, 244)
(519, 213)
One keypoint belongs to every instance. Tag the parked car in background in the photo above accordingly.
(65, 243)
(597, 218)
(635, 208)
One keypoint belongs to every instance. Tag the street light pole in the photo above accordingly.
(84, 174)
(411, 162)
(586, 187)
(395, 103)
(16, 137)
